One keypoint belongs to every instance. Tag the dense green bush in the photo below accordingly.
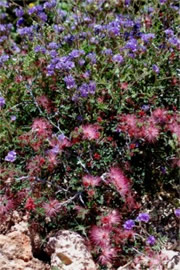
(89, 114)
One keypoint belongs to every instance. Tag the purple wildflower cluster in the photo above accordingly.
(11, 156)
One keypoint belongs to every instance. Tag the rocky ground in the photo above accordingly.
(65, 250)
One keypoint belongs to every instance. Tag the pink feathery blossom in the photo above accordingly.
(119, 180)
(100, 236)
(159, 115)
(107, 254)
(91, 131)
(90, 180)
(52, 208)
(175, 129)
(111, 219)
(6, 205)
(42, 127)
(44, 102)
(151, 132)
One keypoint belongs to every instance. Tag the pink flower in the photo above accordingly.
(90, 180)
(45, 103)
(100, 236)
(91, 132)
(119, 180)
(30, 205)
(151, 133)
(175, 129)
(52, 208)
(111, 219)
(159, 115)
(107, 255)
(42, 127)
(5, 205)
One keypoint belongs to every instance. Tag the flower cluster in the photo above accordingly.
(89, 118)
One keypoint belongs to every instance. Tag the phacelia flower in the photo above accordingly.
(13, 117)
(70, 82)
(177, 212)
(117, 58)
(155, 68)
(2, 102)
(129, 224)
(144, 217)
(151, 240)
(11, 156)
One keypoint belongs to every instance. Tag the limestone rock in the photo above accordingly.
(173, 259)
(16, 253)
(68, 252)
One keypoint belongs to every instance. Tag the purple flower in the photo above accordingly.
(162, 1)
(107, 52)
(151, 240)
(20, 22)
(92, 87)
(163, 170)
(92, 57)
(129, 224)
(13, 117)
(117, 58)
(147, 37)
(39, 49)
(145, 107)
(2, 102)
(70, 82)
(61, 137)
(84, 90)
(76, 53)
(169, 32)
(11, 156)
(49, 5)
(58, 29)
(42, 16)
(132, 45)
(25, 31)
(155, 68)
(143, 217)
(177, 212)
(53, 46)
(127, 2)
(81, 62)
(19, 12)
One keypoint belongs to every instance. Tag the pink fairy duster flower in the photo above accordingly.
(52, 208)
(174, 127)
(119, 180)
(42, 127)
(111, 219)
(90, 180)
(159, 115)
(151, 132)
(6, 205)
(52, 161)
(91, 131)
(107, 254)
(130, 201)
(100, 236)
(44, 102)
(30, 205)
